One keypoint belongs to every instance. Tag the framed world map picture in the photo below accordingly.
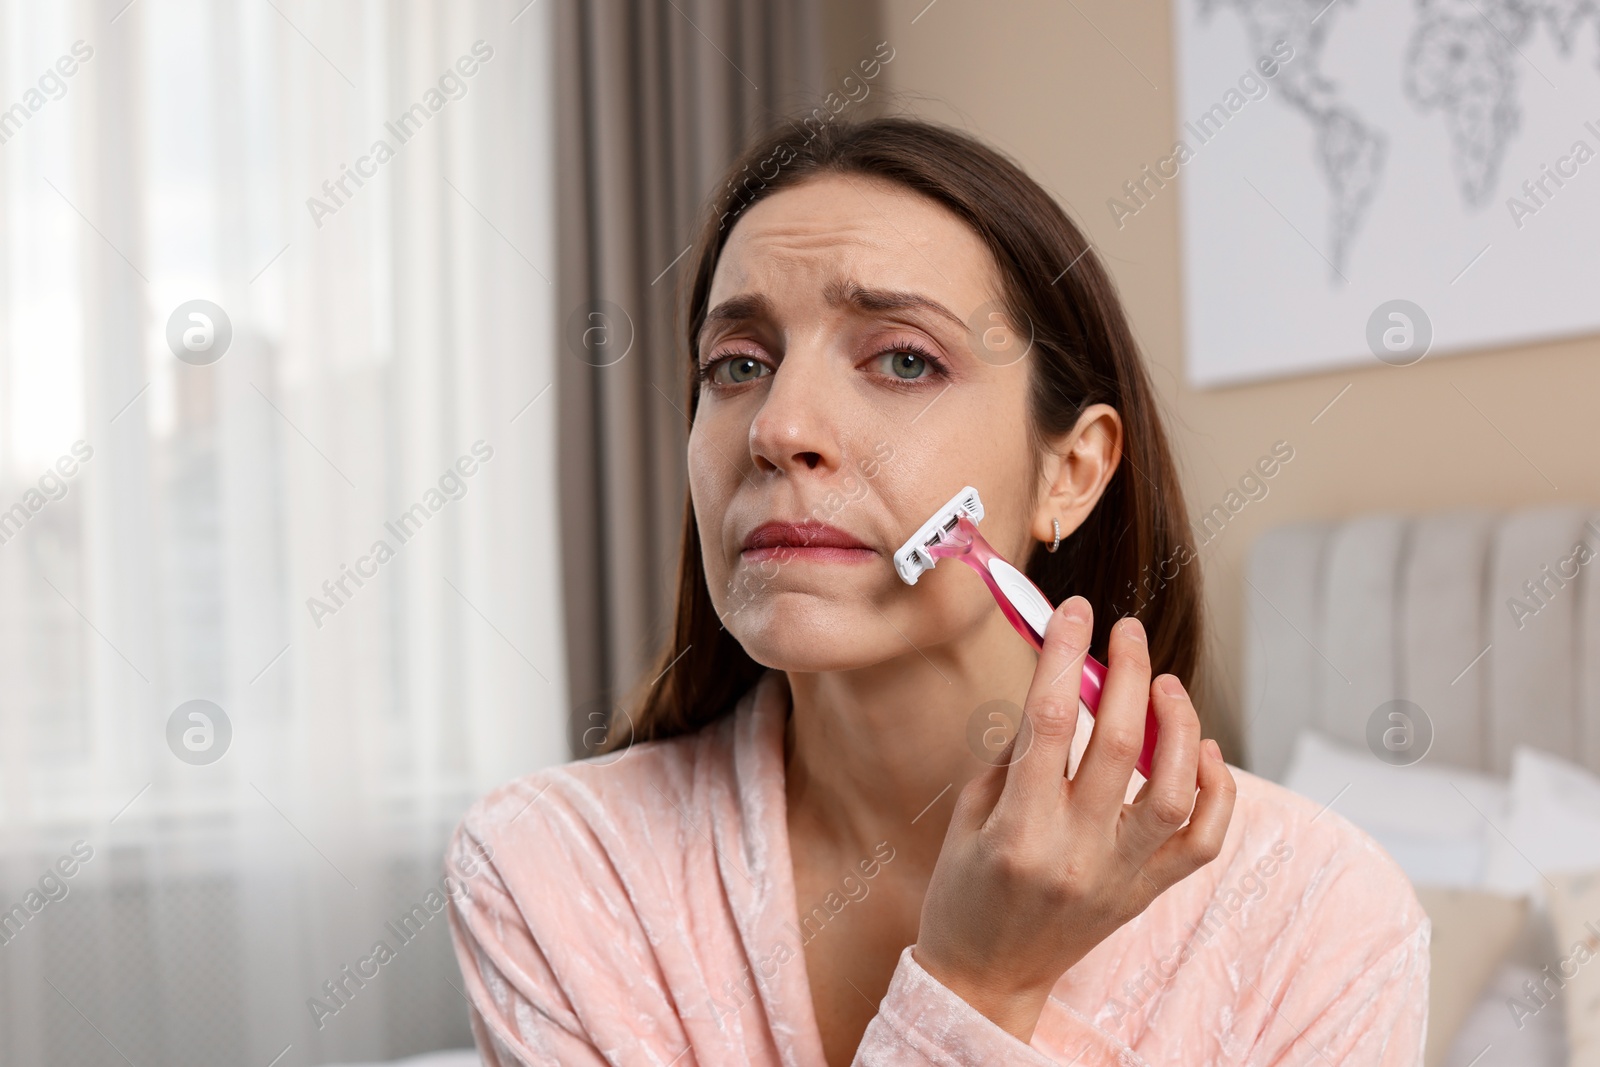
(1366, 181)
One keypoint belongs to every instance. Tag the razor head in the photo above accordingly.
(912, 558)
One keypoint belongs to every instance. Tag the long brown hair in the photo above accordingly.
(1128, 557)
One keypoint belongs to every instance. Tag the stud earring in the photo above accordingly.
(1056, 525)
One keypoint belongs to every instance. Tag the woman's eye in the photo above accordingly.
(907, 364)
(741, 369)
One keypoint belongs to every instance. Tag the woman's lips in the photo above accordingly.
(817, 542)
(812, 553)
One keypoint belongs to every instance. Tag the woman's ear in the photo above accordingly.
(1077, 471)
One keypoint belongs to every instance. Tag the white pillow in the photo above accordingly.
(1553, 826)
(1430, 818)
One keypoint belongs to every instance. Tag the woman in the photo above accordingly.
(809, 851)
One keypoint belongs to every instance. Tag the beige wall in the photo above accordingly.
(1038, 80)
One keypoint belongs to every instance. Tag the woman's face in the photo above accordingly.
(846, 387)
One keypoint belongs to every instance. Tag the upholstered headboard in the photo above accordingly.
(1489, 623)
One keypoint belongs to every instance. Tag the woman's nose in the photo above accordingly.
(797, 424)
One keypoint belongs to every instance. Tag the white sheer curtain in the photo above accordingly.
(392, 343)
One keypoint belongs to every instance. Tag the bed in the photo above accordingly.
(1436, 680)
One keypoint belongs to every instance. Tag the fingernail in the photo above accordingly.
(1133, 628)
(1214, 750)
(1171, 686)
(1076, 608)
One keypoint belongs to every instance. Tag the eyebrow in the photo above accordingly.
(755, 305)
(733, 309)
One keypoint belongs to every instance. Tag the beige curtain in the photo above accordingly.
(655, 99)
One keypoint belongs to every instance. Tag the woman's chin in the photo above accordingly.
(804, 633)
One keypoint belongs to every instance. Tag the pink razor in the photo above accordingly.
(953, 532)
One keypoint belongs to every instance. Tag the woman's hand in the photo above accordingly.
(1037, 869)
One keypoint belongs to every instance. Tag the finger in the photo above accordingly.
(1050, 711)
(1166, 800)
(1201, 841)
(1102, 780)
(974, 804)
(977, 799)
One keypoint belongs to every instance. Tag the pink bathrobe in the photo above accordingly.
(640, 909)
